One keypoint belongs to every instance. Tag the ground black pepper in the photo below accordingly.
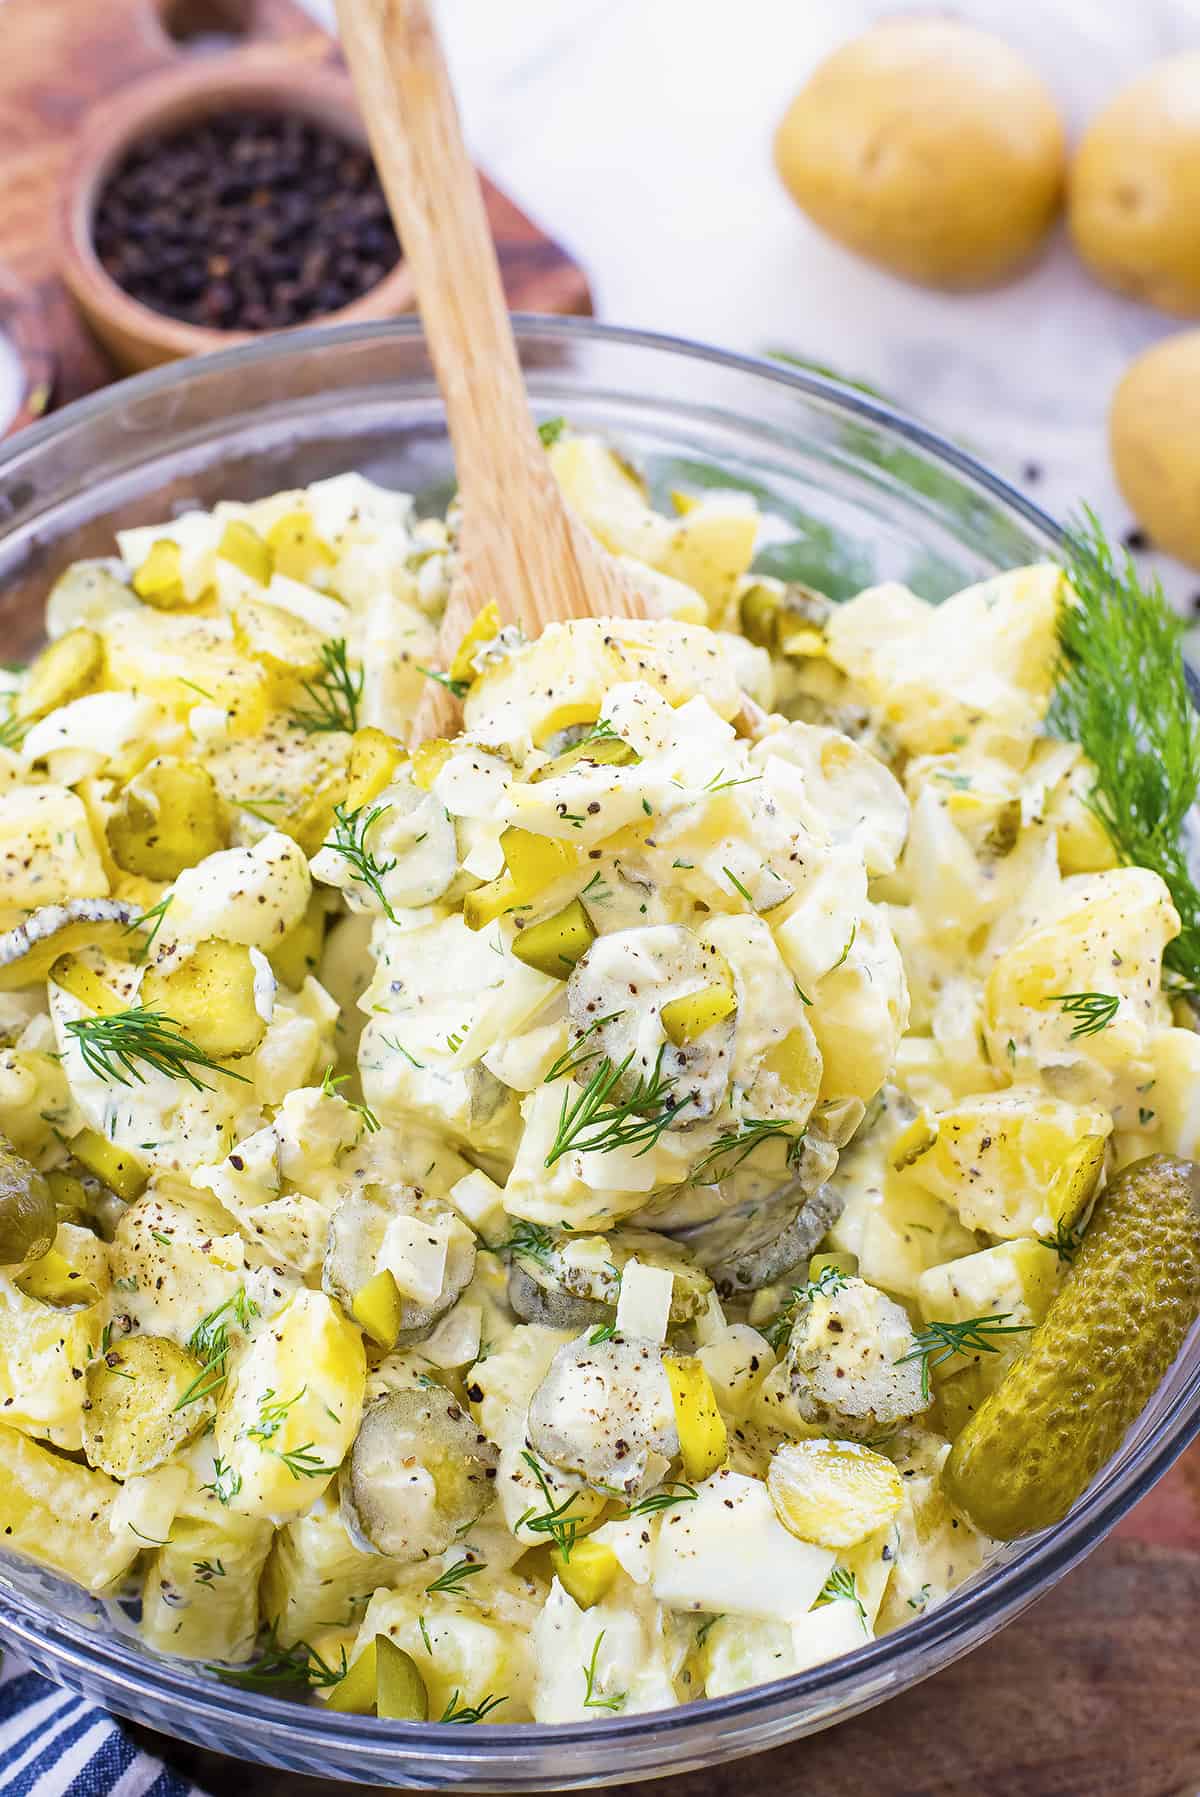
(248, 222)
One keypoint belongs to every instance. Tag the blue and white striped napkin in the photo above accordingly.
(55, 1744)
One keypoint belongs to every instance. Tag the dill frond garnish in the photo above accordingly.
(841, 1583)
(336, 693)
(829, 1281)
(533, 1240)
(209, 1342)
(559, 1521)
(1122, 695)
(459, 688)
(115, 1047)
(1093, 1011)
(298, 1667)
(594, 1126)
(592, 1700)
(939, 1342)
(1065, 1241)
(349, 840)
(731, 1149)
(469, 1712)
(454, 1577)
(675, 1492)
(577, 1056)
(154, 917)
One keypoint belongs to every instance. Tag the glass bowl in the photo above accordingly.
(857, 495)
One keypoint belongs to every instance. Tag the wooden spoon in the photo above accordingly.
(519, 543)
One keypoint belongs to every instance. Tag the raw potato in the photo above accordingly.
(930, 148)
(1135, 188)
(170, 816)
(1154, 438)
(211, 997)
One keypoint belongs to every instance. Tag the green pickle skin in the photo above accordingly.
(1062, 1410)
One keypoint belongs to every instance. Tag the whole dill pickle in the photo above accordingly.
(1110, 1334)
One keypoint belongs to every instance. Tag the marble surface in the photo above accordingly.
(639, 132)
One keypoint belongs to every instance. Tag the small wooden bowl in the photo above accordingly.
(135, 336)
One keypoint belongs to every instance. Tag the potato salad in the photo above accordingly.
(510, 1228)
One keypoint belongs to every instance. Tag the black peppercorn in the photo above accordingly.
(248, 221)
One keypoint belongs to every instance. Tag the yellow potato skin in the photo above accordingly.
(1154, 440)
(1134, 188)
(930, 148)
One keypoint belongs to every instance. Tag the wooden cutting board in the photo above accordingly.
(1091, 1693)
(61, 57)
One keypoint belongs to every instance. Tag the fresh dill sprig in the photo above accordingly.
(735, 882)
(298, 1667)
(829, 1281)
(113, 1047)
(577, 1056)
(718, 783)
(603, 1332)
(209, 1342)
(455, 1576)
(154, 916)
(533, 1240)
(329, 1086)
(675, 1492)
(841, 1583)
(740, 1142)
(335, 693)
(226, 1483)
(469, 1712)
(459, 688)
(1093, 1011)
(1065, 1241)
(592, 1125)
(304, 1462)
(558, 1520)
(592, 1700)
(1122, 695)
(349, 840)
(939, 1342)
(13, 731)
(550, 430)
(272, 1414)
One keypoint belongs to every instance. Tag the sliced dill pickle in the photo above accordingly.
(400, 1694)
(1061, 1411)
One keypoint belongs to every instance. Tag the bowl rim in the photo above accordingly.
(261, 76)
(923, 1645)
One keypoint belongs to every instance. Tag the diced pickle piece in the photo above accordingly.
(63, 671)
(241, 544)
(429, 758)
(159, 580)
(420, 1470)
(282, 642)
(298, 551)
(211, 997)
(702, 1434)
(29, 950)
(143, 1399)
(1033, 1447)
(588, 1572)
(536, 861)
(58, 1281)
(686, 1018)
(400, 1694)
(378, 1309)
(835, 1493)
(170, 816)
(358, 1235)
(298, 953)
(119, 1170)
(73, 974)
(483, 627)
(354, 1695)
(374, 758)
(28, 1219)
(555, 945)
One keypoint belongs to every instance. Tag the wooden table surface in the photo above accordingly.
(1091, 1693)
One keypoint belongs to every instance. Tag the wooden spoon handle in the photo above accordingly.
(520, 544)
